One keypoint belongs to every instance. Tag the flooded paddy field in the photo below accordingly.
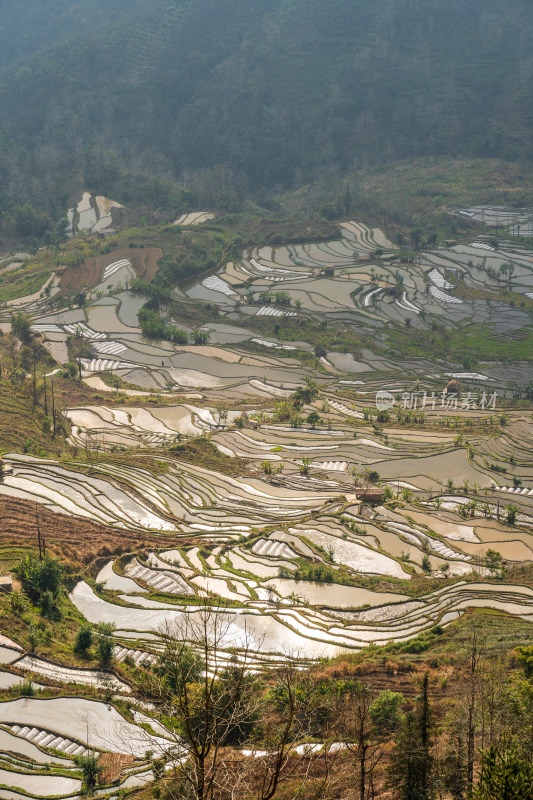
(299, 507)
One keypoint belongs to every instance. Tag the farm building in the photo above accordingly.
(372, 494)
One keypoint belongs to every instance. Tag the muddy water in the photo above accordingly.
(333, 594)
(9, 743)
(40, 785)
(83, 720)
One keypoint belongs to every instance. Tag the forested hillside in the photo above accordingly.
(279, 91)
(28, 27)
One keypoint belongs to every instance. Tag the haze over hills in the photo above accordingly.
(26, 28)
(280, 92)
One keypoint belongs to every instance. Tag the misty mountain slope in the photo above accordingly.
(32, 25)
(275, 89)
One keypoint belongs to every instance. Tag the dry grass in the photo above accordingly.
(144, 261)
(202, 453)
(76, 540)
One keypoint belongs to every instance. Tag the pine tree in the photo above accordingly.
(410, 770)
(347, 200)
(504, 776)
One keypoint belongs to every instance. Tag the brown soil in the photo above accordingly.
(113, 766)
(396, 675)
(144, 261)
(76, 539)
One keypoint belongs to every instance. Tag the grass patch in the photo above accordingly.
(23, 281)
(56, 635)
(203, 453)
(474, 341)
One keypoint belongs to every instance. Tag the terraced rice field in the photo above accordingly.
(328, 499)
(314, 632)
(129, 426)
(45, 736)
(195, 218)
(92, 213)
(58, 673)
(77, 720)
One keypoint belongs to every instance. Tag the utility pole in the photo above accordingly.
(34, 379)
(53, 412)
(38, 532)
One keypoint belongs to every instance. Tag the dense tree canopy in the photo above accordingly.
(267, 93)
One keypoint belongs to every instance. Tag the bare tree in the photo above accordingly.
(211, 701)
(473, 657)
(365, 721)
(475, 710)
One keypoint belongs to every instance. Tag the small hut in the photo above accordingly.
(370, 494)
(453, 387)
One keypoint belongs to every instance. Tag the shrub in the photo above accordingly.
(38, 576)
(105, 643)
(505, 775)
(47, 602)
(313, 419)
(27, 689)
(84, 639)
(416, 646)
(90, 769)
(34, 637)
(21, 326)
(512, 511)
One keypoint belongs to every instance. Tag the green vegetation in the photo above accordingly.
(395, 105)
(475, 342)
(319, 573)
(84, 639)
(105, 643)
(155, 327)
(90, 770)
(504, 776)
(25, 280)
(51, 634)
(40, 578)
(203, 452)
(21, 327)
